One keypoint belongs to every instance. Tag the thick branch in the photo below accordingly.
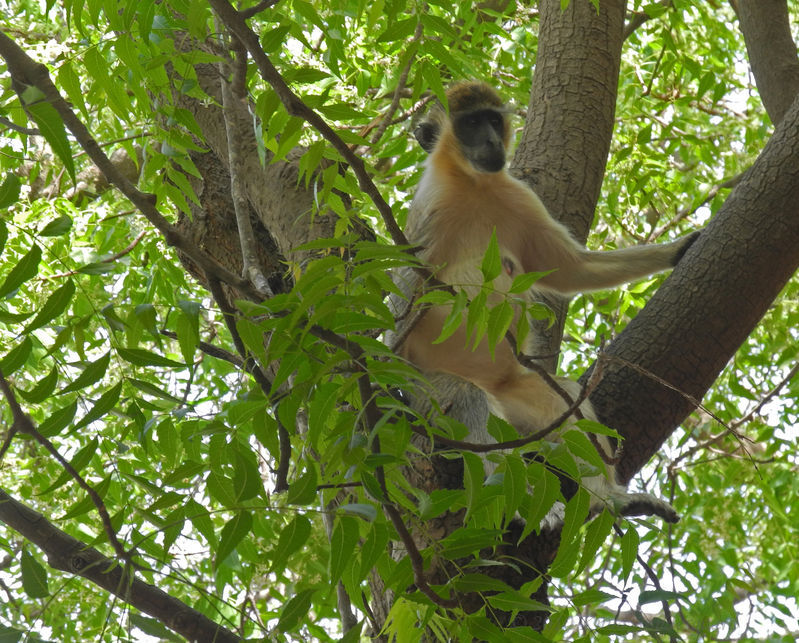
(709, 305)
(772, 52)
(234, 21)
(75, 557)
(25, 72)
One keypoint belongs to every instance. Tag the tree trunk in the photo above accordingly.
(566, 138)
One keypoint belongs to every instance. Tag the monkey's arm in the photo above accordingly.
(595, 270)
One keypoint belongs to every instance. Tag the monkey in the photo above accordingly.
(464, 196)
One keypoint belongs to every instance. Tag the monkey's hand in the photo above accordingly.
(682, 246)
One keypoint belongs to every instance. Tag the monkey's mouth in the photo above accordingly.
(489, 163)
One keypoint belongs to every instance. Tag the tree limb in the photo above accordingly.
(70, 555)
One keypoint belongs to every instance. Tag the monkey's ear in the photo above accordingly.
(427, 135)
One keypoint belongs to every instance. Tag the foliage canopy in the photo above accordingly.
(128, 370)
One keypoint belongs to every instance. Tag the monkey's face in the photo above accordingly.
(480, 134)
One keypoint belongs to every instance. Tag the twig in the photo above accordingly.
(26, 72)
(685, 212)
(252, 11)
(639, 18)
(29, 131)
(111, 259)
(372, 416)
(746, 418)
(401, 81)
(211, 350)
(70, 555)
(652, 576)
(235, 90)
(25, 425)
(255, 369)
(236, 24)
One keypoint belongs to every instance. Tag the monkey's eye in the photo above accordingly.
(495, 120)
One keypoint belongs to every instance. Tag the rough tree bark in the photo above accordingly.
(564, 145)
(695, 322)
(772, 52)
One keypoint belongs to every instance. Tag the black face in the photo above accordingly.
(480, 134)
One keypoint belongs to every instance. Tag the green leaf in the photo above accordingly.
(9, 195)
(232, 534)
(374, 547)
(141, 357)
(16, 357)
(247, 482)
(523, 282)
(545, 492)
(479, 583)
(574, 516)
(34, 576)
(303, 490)
(500, 317)
(590, 426)
(491, 266)
(78, 463)
(592, 596)
(581, 447)
(90, 375)
(514, 485)
(26, 269)
(292, 539)
(103, 405)
(455, 318)
(152, 389)
(43, 388)
(342, 546)
(473, 476)
(188, 328)
(596, 534)
(517, 602)
(58, 419)
(146, 315)
(362, 510)
(629, 550)
(56, 304)
(57, 227)
(153, 628)
(13, 318)
(466, 541)
(50, 126)
(297, 607)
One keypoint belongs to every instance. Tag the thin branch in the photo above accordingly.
(732, 428)
(236, 24)
(261, 6)
(255, 369)
(26, 72)
(235, 90)
(767, 398)
(111, 259)
(401, 82)
(640, 17)
(70, 555)
(24, 424)
(689, 210)
(211, 350)
(483, 447)
(29, 131)
(652, 576)
(372, 416)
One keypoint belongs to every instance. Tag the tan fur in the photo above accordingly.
(454, 213)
